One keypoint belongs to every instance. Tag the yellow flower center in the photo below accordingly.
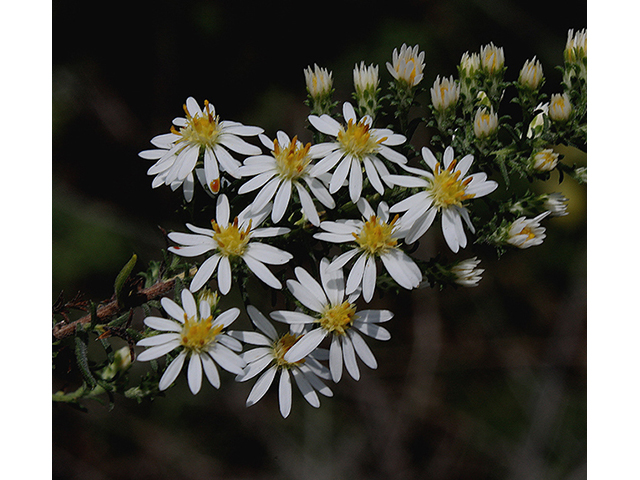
(198, 334)
(528, 232)
(338, 318)
(282, 346)
(231, 240)
(376, 237)
(357, 139)
(200, 130)
(292, 161)
(446, 188)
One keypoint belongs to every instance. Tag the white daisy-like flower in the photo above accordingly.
(357, 144)
(269, 354)
(444, 189)
(527, 232)
(201, 132)
(375, 236)
(467, 272)
(231, 240)
(336, 318)
(199, 337)
(277, 174)
(408, 65)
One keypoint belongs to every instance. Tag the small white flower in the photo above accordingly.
(269, 354)
(336, 318)
(544, 160)
(407, 65)
(231, 240)
(531, 75)
(527, 232)
(492, 58)
(375, 236)
(277, 174)
(200, 133)
(445, 93)
(444, 189)
(319, 81)
(199, 337)
(556, 203)
(485, 123)
(560, 108)
(467, 272)
(357, 144)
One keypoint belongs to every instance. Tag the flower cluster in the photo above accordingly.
(357, 192)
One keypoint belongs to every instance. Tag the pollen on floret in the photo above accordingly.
(447, 189)
(291, 161)
(282, 346)
(376, 236)
(200, 130)
(231, 240)
(339, 318)
(357, 139)
(197, 335)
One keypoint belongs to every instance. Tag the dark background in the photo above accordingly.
(484, 383)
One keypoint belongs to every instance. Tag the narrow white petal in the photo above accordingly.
(391, 155)
(261, 386)
(210, 370)
(326, 164)
(373, 330)
(266, 194)
(284, 393)
(369, 277)
(372, 175)
(332, 282)
(355, 180)
(189, 303)
(172, 308)
(256, 182)
(227, 317)
(159, 350)
(172, 371)
(194, 373)
(354, 280)
(285, 316)
(320, 192)
(191, 250)
(340, 174)
(307, 295)
(325, 124)
(156, 340)
(267, 253)
(226, 161)
(362, 349)
(308, 208)
(254, 368)
(420, 227)
(315, 382)
(261, 271)
(224, 275)
(227, 359)
(193, 108)
(281, 201)
(306, 388)
(260, 321)
(204, 273)
(238, 145)
(335, 359)
(305, 345)
(163, 324)
(374, 316)
(349, 356)
(449, 229)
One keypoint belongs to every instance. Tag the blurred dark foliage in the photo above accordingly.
(484, 383)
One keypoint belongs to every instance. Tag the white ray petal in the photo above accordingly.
(172, 371)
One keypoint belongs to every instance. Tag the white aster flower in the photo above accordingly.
(230, 241)
(375, 236)
(277, 174)
(467, 272)
(444, 93)
(200, 133)
(527, 232)
(199, 337)
(443, 191)
(485, 123)
(357, 144)
(407, 65)
(335, 317)
(269, 354)
(560, 108)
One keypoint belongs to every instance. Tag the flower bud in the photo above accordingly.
(466, 272)
(319, 82)
(445, 94)
(576, 49)
(365, 79)
(560, 108)
(556, 203)
(531, 74)
(492, 59)
(527, 232)
(121, 362)
(544, 160)
(485, 123)
(407, 65)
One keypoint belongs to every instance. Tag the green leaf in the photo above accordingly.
(83, 362)
(123, 275)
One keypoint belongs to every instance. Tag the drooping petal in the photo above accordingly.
(335, 358)
(156, 340)
(305, 388)
(204, 273)
(261, 386)
(284, 393)
(158, 351)
(194, 373)
(210, 370)
(349, 356)
(362, 349)
(261, 271)
(224, 275)
(305, 345)
(260, 321)
(172, 371)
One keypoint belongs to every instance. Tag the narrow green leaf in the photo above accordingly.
(83, 362)
(123, 275)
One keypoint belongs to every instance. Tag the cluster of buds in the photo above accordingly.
(575, 58)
